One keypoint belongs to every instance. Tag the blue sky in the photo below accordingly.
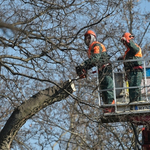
(145, 4)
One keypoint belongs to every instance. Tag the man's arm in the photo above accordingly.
(133, 47)
(91, 62)
(95, 57)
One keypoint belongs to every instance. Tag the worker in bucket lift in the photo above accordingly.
(98, 56)
(133, 69)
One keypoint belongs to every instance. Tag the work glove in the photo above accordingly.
(81, 72)
(124, 40)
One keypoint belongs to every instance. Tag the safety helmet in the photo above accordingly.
(89, 37)
(128, 36)
(90, 32)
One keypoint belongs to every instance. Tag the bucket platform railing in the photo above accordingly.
(124, 88)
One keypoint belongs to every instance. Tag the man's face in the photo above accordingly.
(87, 39)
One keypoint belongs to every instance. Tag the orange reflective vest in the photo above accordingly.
(95, 49)
(139, 54)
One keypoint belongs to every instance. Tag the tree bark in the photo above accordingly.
(30, 107)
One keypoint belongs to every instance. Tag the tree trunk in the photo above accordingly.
(29, 108)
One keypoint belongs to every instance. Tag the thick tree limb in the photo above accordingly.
(29, 108)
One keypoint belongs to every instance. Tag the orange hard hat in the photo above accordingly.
(90, 32)
(128, 36)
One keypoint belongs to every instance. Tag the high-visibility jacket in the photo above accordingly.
(95, 48)
(133, 52)
(97, 55)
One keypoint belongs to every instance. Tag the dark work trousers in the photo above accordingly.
(134, 79)
(106, 82)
